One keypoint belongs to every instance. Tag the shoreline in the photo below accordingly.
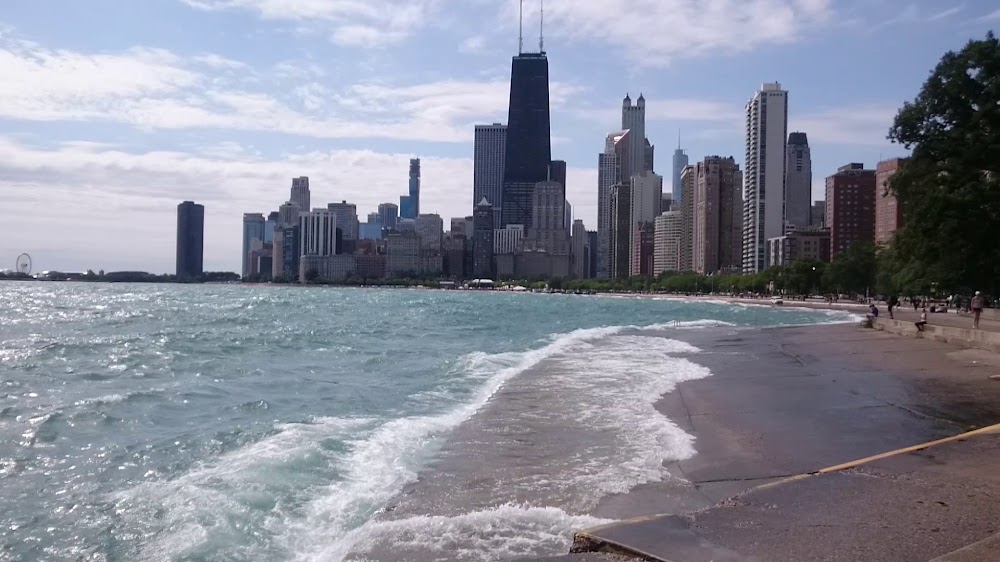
(817, 397)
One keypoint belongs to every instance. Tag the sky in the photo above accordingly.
(114, 111)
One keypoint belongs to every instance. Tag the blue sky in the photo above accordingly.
(113, 111)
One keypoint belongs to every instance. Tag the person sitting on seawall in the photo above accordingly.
(920, 324)
(873, 312)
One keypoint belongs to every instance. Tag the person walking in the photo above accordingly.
(893, 302)
(977, 304)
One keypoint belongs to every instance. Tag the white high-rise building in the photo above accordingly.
(609, 164)
(667, 245)
(318, 233)
(508, 240)
(300, 193)
(764, 177)
(488, 165)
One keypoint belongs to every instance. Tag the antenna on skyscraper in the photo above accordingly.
(541, 27)
(520, 28)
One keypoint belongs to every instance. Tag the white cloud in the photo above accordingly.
(865, 125)
(652, 32)
(473, 45)
(356, 23)
(155, 89)
(992, 16)
(106, 196)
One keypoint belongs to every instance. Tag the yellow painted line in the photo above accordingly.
(982, 431)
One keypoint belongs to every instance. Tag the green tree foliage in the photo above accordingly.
(853, 271)
(949, 189)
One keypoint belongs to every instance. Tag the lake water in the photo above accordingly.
(173, 422)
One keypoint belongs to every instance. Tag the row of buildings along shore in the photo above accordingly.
(716, 218)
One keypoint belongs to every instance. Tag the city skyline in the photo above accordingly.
(70, 162)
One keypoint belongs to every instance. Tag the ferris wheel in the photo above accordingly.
(23, 264)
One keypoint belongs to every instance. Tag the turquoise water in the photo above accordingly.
(170, 422)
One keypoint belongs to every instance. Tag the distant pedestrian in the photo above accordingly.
(922, 322)
(916, 303)
(892, 302)
(978, 304)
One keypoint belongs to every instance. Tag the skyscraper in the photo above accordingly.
(253, 230)
(798, 182)
(528, 151)
(610, 165)
(482, 240)
(764, 180)
(645, 199)
(580, 251)
(488, 165)
(190, 239)
(620, 253)
(634, 121)
(430, 228)
(347, 220)
(409, 205)
(388, 215)
(318, 233)
(680, 161)
(667, 243)
(850, 207)
(685, 255)
(300, 193)
(717, 233)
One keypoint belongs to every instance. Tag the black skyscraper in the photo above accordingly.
(190, 239)
(528, 151)
(482, 240)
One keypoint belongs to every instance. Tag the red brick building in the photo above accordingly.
(888, 215)
(850, 207)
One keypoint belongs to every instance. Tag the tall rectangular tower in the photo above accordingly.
(488, 166)
(798, 182)
(300, 193)
(634, 121)
(528, 151)
(409, 204)
(253, 229)
(850, 207)
(190, 239)
(612, 165)
(764, 179)
(718, 215)
(680, 161)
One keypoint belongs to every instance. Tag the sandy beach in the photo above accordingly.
(782, 403)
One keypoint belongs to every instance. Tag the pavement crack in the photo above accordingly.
(750, 479)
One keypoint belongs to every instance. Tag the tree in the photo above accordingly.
(311, 276)
(949, 189)
(853, 271)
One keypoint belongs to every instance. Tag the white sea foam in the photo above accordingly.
(506, 532)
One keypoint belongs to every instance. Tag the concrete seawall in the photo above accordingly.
(966, 337)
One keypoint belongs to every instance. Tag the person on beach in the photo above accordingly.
(922, 322)
(978, 304)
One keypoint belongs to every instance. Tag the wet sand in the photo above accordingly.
(791, 401)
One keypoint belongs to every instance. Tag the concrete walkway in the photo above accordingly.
(782, 406)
